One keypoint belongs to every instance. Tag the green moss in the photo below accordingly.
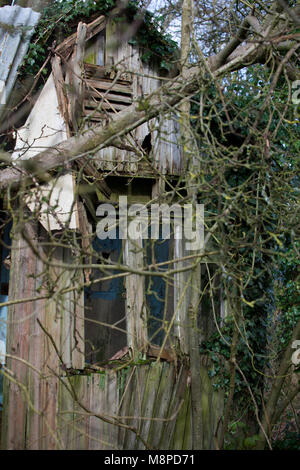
(102, 380)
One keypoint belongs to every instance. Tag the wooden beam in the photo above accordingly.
(106, 84)
(107, 106)
(112, 97)
(136, 316)
(93, 71)
(61, 95)
(66, 47)
(74, 77)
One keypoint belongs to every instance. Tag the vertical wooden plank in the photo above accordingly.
(175, 405)
(110, 435)
(103, 402)
(187, 436)
(218, 407)
(135, 306)
(161, 405)
(65, 418)
(126, 387)
(36, 359)
(110, 42)
(71, 310)
(59, 86)
(135, 406)
(50, 387)
(141, 378)
(49, 429)
(206, 395)
(81, 418)
(18, 340)
(180, 427)
(78, 335)
(128, 408)
(181, 295)
(102, 390)
(65, 308)
(158, 188)
(74, 77)
(96, 406)
(58, 324)
(149, 397)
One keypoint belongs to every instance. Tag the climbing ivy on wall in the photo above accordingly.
(60, 18)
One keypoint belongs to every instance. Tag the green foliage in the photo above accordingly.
(59, 19)
(291, 441)
(238, 437)
(102, 381)
(250, 356)
(287, 292)
(258, 233)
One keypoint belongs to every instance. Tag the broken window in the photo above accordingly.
(159, 291)
(125, 308)
(95, 50)
(104, 95)
(105, 325)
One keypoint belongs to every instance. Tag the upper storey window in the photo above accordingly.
(95, 50)
(104, 94)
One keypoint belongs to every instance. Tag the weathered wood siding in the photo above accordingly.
(30, 384)
(144, 79)
(138, 407)
(143, 405)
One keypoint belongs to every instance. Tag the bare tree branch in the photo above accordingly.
(138, 113)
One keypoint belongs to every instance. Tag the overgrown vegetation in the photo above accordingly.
(240, 140)
(60, 19)
(258, 236)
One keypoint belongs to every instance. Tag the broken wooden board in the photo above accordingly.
(104, 96)
(95, 72)
(65, 48)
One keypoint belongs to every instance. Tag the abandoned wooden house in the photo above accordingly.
(95, 357)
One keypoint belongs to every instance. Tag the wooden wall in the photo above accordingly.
(52, 402)
(30, 386)
(143, 79)
(138, 407)
(142, 405)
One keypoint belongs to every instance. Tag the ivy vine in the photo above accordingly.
(60, 19)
